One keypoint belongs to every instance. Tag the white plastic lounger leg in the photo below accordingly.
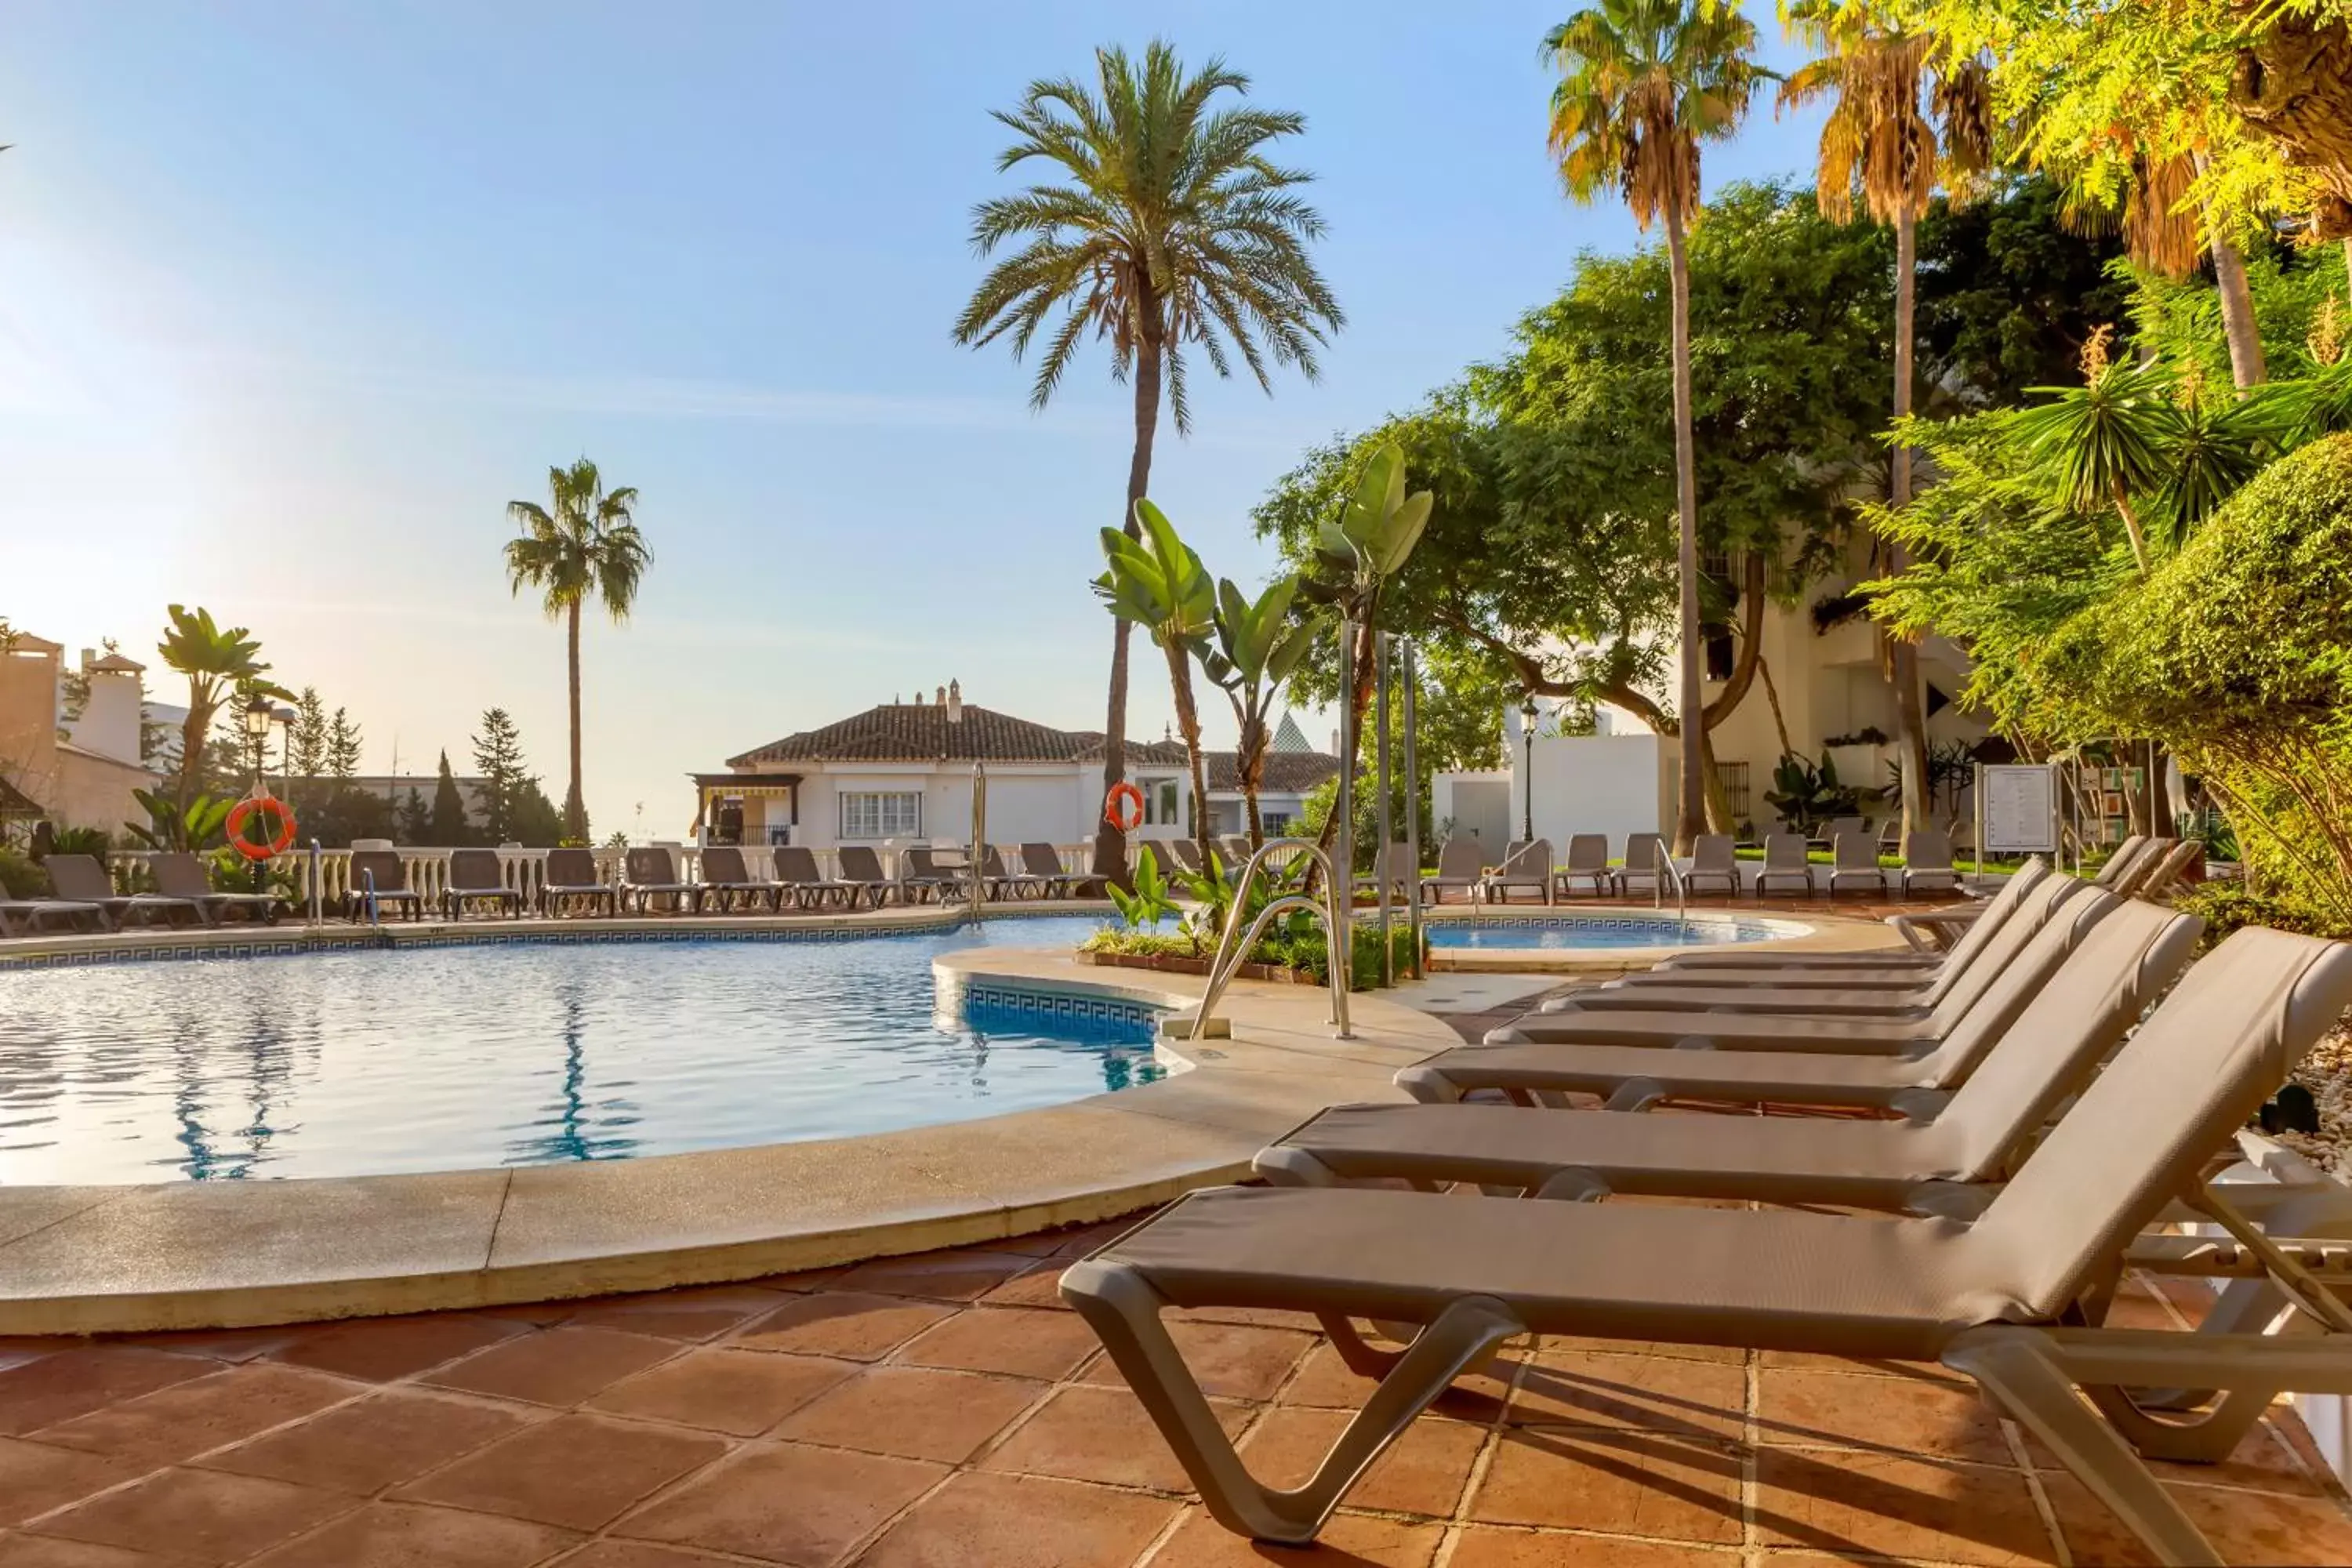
(1428, 1085)
(2018, 1371)
(1123, 1310)
(1285, 1165)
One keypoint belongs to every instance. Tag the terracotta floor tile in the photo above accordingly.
(1627, 1483)
(54, 1552)
(556, 1366)
(1100, 1434)
(36, 1478)
(1021, 1522)
(579, 1472)
(850, 1324)
(1917, 1370)
(1349, 1541)
(742, 1392)
(1232, 1360)
(1856, 1502)
(532, 1314)
(1422, 1472)
(74, 1383)
(1323, 1381)
(938, 1276)
(643, 1554)
(2246, 1528)
(1023, 1343)
(1086, 1238)
(1249, 1317)
(2263, 1462)
(803, 1280)
(1941, 1420)
(915, 1412)
(381, 1349)
(188, 1418)
(1486, 1546)
(785, 1502)
(398, 1535)
(701, 1313)
(392, 1435)
(198, 1514)
(1653, 1394)
(1038, 1288)
(1554, 1346)
(221, 1344)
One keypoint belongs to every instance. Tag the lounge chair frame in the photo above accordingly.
(595, 892)
(1529, 866)
(1461, 863)
(1786, 858)
(1587, 862)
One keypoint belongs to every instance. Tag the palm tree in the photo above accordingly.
(1642, 83)
(1876, 69)
(1159, 585)
(1168, 228)
(217, 661)
(584, 541)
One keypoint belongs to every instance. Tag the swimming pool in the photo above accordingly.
(1600, 932)
(523, 1053)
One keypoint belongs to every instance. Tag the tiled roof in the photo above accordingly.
(906, 731)
(1286, 772)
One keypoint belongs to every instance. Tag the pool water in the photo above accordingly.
(1603, 932)
(522, 1053)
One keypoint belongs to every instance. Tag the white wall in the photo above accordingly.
(1615, 785)
(1478, 804)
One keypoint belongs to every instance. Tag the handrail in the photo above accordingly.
(1230, 953)
(976, 857)
(1669, 872)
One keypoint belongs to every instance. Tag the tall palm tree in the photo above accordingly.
(1905, 116)
(1642, 83)
(1166, 227)
(216, 659)
(585, 542)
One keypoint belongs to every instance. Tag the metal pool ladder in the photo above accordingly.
(1670, 872)
(1233, 947)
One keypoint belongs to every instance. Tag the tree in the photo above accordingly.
(498, 758)
(1160, 585)
(1876, 69)
(1170, 229)
(584, 542)
(1642, 83)
(416, 821)
(448, 826)
(536, 822)
(2009, 293)
(213, 660)
(1257, 645)
(343, 754)
(309, 735)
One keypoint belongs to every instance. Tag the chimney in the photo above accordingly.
(955, 702)
(919, 697)
(88, 657)
(943, 696)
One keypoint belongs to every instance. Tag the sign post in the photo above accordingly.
(2016, 809)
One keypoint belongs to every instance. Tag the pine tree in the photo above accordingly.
(310, 736)
(448, 827)
(416, 823)
(536, 822)
(342, 758)
(498, 757)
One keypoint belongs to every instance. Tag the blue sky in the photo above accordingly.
(294, 298)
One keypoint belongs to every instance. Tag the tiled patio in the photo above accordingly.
(944, 1410)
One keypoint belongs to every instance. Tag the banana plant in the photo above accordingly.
(1159, 584)
(170, 826)
(1257, 646)
(214, 660)
(1149, 902)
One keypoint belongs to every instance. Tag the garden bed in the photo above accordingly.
(1176, 963)
(2328, 1073)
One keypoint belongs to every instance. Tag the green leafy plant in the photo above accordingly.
(215, 662)
(92, 841)
(170, 826)
(1806, 796)
(1148, 903)
(1159, 584)
(1257, 646)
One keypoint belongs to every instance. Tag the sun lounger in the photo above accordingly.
(379, 882)
(1714, 867)
(1044, 862)
(2126, 857)
(1830, 829)
(921, 877)
(1005, 883)
(801, 882)
(728, 882)
(1927, 864)
(1586, 865)
(2044, 1055)
(1393, 868)
(1235, 847)
(651, 873)
(1985, 1296)
(1528, 866)
(1971, 940)
(181, 875)
(861, 869)
(1181, 854)
(1461, 863)
(477, 878)
(80, 879)
(2170, 871)
(1641, 872)
(1785, 860)
(24, 916)
(1854, 862)
(572, 879)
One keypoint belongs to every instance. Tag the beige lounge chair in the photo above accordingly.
(2168, 875)
(921, 877)
(1837, 825)
(2045, 1054)
(1460, 864)
(1393, 868)
(1587, 864)
(2125, 859)
(1927, 864)
(1971, 940)
(1182, 852)
(1786, 860)
(1009, 884)
(81, 879)
(180, 875)
(803, 881)
(861, 870)
(1640, 872)
(379, 880)
(572, 879)
(1715, 865)
(728, 882)
(1044, 862)
(651, 873)
(477, 878)
(1854, 862)
(1986, 1295)
(1529, 866)
(24, 916)
(2152, 857)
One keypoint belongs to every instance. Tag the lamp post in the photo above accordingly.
(259, 714)
(1527, 714)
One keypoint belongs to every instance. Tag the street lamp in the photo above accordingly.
(1527, 714)
(259, 713)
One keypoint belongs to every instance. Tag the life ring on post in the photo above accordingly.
(279, 826)
(1123, 808)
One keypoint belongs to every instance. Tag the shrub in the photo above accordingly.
(2226, 907)
(19, 877)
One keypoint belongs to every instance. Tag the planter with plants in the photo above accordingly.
(1292, 950)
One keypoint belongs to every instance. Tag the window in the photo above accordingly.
(1737, 798)
(1159, 803)
(894, 814)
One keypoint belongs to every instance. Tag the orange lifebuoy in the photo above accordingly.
(281, 837)
(1123, 796)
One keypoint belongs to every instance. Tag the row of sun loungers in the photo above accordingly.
(1528, 866)
(86, 900)
(2053, 1094)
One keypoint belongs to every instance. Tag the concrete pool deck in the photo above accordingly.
(186, 1255)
